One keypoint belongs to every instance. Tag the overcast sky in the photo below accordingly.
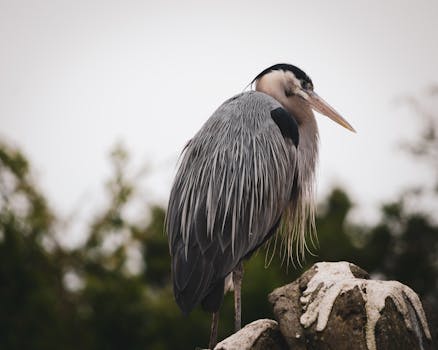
(78, 76)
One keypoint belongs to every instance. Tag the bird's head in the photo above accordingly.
(290, 86)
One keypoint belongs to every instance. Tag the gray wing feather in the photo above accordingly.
(234, 181)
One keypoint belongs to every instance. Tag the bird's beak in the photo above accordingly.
(319, 105)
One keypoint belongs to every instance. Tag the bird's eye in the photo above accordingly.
(306, 85)
(288, 92)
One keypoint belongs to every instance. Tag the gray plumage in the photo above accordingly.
(237, 178)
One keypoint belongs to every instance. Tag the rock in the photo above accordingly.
(258, 335)
(336, 306)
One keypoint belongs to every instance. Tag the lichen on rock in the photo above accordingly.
(334, 279)
(258, 335)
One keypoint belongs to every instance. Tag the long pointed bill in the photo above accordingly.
(318, 104)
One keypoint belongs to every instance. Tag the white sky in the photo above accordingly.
(78, 76)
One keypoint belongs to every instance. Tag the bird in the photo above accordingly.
(248, 174)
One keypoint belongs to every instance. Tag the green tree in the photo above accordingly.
(35, 312)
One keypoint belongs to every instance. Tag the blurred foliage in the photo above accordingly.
(114, 291)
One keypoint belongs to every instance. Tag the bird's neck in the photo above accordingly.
(308, 146)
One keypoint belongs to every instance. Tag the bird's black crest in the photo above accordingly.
(287, 124)
(286, 67)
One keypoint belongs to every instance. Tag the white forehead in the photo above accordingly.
(277, 78)
(289, 76)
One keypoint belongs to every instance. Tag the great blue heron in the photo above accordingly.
(248, 172)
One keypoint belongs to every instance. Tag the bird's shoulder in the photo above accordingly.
(249, 102)
(250, 111)
(251, 97)
(246, 115)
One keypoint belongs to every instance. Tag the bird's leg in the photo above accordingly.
(213, 332)
(237, 281)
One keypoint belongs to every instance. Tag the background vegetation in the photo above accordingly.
(114, 291)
